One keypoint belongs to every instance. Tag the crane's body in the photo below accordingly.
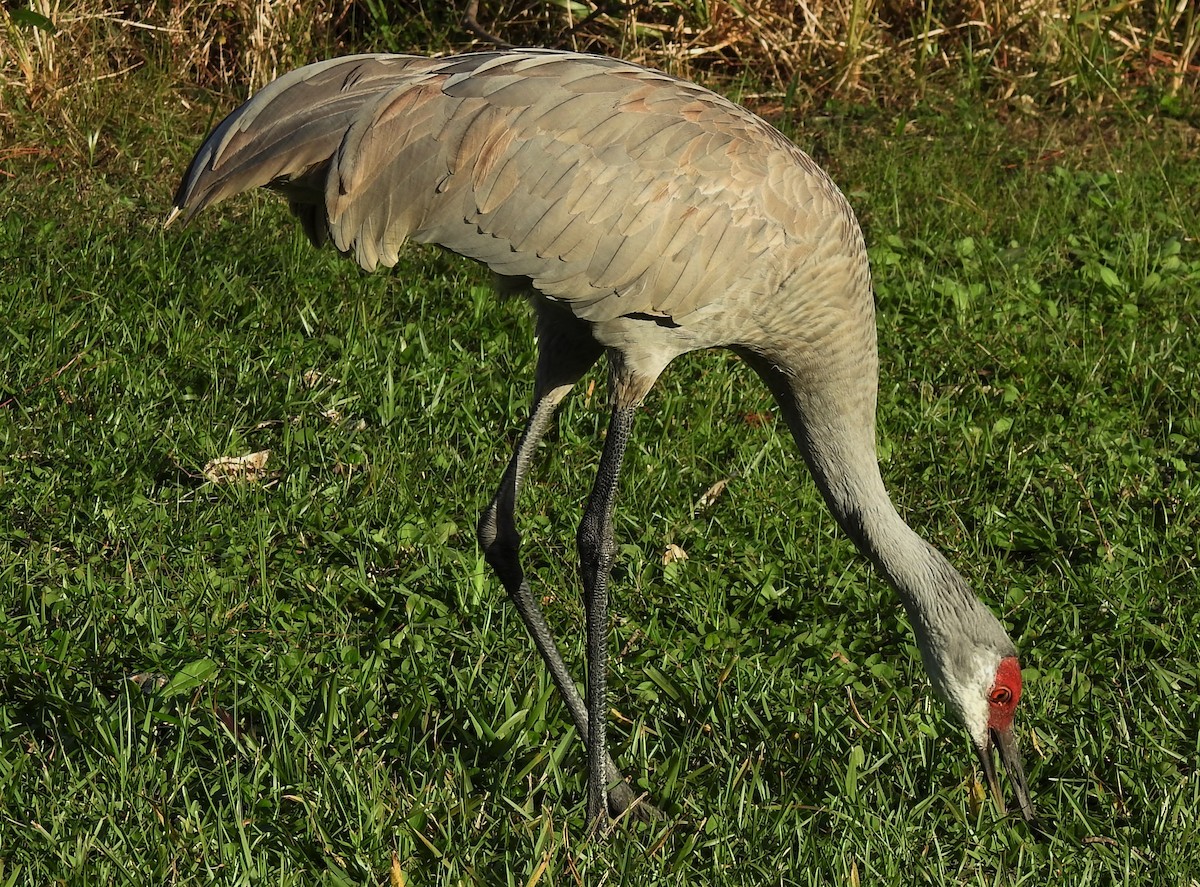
(644, 217)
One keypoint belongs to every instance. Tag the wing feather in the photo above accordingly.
(287, 129)
(615, 189)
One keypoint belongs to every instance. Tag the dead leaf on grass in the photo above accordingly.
(313, 378)
(250, 468)
(711, 495)
(672, 554)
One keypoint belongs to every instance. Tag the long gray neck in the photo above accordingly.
(954, 630)
(834, 428)
(936, 598)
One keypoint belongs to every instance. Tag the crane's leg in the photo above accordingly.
(596, 550)
(563, 359)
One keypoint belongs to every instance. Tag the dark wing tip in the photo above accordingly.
(189, 197)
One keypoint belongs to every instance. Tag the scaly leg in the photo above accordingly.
(558, 369)
(596, 550)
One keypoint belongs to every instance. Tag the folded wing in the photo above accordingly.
(614, 188)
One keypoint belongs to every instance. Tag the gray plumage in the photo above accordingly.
(644, 217)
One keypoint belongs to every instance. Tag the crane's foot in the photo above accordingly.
(598, 822)
(622, 804)
(625, 803)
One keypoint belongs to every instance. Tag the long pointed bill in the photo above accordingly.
(1004, 742)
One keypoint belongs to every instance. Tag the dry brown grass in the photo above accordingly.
(812, 48)
(844, 47)
(207, 42)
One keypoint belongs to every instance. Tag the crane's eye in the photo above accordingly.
(1000, 696)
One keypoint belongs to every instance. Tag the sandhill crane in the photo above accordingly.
(644, 217)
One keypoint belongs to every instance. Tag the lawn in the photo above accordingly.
(312, 678)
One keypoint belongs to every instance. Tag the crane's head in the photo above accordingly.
(994, 736)
(981, 684)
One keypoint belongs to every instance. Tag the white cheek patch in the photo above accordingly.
(967, 693)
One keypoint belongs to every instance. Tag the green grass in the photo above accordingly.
(346, 683)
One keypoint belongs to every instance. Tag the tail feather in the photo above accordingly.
(285, 135)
